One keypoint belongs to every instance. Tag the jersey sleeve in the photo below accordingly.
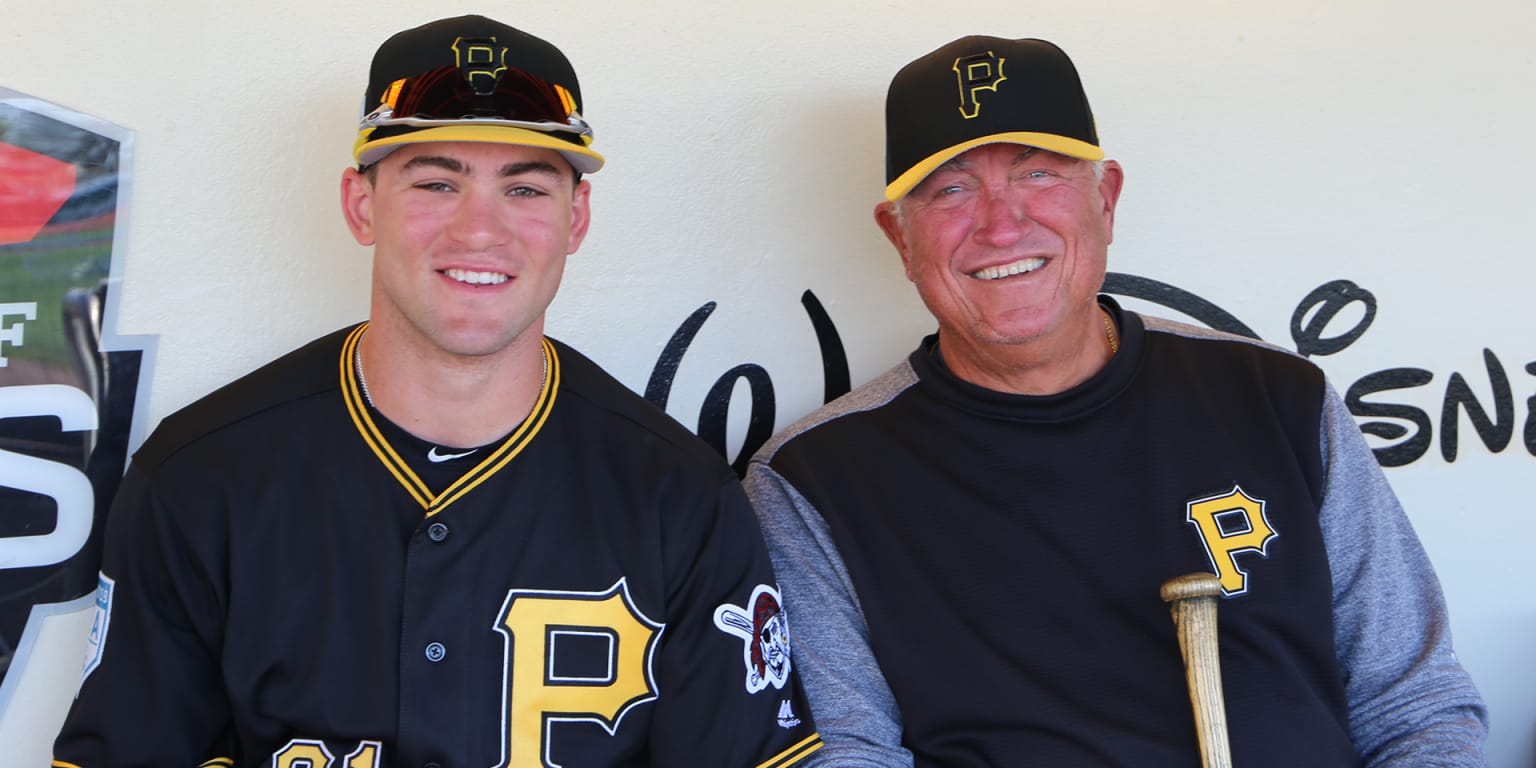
(151, 693)
(730, 689)
(1410, 701)
(854, 707)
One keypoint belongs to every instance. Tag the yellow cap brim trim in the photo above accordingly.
(368, 152)
(1049, 141)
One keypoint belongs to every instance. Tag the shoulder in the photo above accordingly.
(1197, 373)
(307, 371)
(867, 398)
(1195, 334)
(1173, 342)
(626, 421)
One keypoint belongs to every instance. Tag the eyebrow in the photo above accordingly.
(434, 161)
(1025, 155)
(454, 165)
(532, 166)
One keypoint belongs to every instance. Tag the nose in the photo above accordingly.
(1001, 219)
(477, 223)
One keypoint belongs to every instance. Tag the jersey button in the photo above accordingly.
(437, 532)
(436, 652)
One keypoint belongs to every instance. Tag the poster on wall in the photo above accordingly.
(68, 387)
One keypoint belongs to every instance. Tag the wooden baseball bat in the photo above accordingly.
(1192, 598)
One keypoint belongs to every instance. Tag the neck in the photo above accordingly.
(452, 400)
(1042, 366)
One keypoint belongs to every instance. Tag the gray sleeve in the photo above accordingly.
(855, 711)
(1410, 701)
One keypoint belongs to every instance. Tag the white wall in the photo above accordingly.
(1269, 148)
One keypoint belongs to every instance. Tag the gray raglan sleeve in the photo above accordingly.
(853, 705)
(1410, 701)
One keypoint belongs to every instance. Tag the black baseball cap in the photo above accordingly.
(471, 78)
(983, 90)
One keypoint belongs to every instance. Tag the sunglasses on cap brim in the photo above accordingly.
(444, 96)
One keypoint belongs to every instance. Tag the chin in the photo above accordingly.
(479, 343)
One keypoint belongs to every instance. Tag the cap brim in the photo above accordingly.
(367, 152)
(1048, 141)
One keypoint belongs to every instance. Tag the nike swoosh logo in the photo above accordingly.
(438, 458)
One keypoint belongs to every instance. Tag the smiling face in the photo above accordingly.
(469, 239)
(1007, 246)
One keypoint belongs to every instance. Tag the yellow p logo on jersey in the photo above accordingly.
(977, 72)
(1230, 524)
(536, 623)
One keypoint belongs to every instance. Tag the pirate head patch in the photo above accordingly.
(765, 630)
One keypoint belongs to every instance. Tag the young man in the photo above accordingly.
(973, 544)
(438, 537)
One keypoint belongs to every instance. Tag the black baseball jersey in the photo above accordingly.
(975, 575)
(283, 587)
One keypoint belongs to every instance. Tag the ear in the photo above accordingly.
(890, 223)
(581, 215)
(357, 205)
(1109, 192)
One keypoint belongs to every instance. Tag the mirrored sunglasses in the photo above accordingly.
(443, 96)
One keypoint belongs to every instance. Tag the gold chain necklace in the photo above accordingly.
(1109, 333)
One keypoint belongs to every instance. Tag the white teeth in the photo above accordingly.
(1006, 270)
(476, 278)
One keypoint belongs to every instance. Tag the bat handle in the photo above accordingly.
(1192, 599)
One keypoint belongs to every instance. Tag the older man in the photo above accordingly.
(973, 543)
(439, 537)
